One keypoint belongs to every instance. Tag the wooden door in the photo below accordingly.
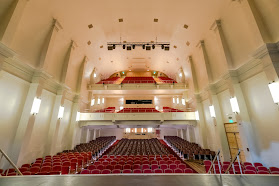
(234, 140)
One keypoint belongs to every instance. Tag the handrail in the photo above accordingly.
(232, 163)
(212, 164)
(10, 161)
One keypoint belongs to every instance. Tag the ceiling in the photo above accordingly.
(138, 26)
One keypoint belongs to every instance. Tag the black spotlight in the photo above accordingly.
(153, 47)
(167, 47)
(113, 46)
(129, 47)
(143, 47)
(110, 47)
(134, 46)
(148, 47)
(124, 46)
(163, 47)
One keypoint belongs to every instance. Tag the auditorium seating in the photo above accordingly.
(66, 162)
(112, 80)
(138, 110)
(189, 150)
(246, 167)
(132, 80)
(167, 80)
(138, 156)
(106, 110)
(168, 109)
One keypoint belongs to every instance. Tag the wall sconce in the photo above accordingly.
(61, 112)
(180, 74)
(78, 116)
(173, 100)
(36, 106)
(274, 90)
(99, 101)
(121, 107)
(197, 115)
(95, 75)
(212, 111)
(183, 101)
(157, 107)
(234, 105)
(103, 100)
(92, 102)
(177, 100)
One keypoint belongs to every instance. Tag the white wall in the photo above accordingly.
(167, 132)
(113, 132)
(13, 92)
(264, 116)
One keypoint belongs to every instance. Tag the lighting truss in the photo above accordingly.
(144, 45)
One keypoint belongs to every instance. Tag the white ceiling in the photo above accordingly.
(138, 26)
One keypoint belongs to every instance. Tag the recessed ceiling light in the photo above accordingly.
(100, 58)
(120, 20)
(101, 46)
(177, 59)
(156, 20)
(174, 46)
(130, 70)
(186, 26)
(90, 26)
(89, 42)
(148, 70)
(188, 43)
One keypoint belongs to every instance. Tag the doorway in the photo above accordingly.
(234, 140)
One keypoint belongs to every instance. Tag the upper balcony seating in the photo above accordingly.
(66, 162)
(107, 110)
(189, 150)
(168, 109)
(109, 80)
(131, 80)
(167, 80)
(138, 110)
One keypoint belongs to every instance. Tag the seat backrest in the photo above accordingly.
(187, 170)
(137, 171)
(85, 171)
(116, 171)
(127, 171)
(168, 171)
(147, 171)
(263, 172)
(106, 171)
(95, 171)
(178, 171)
(158, 171)
(164, 166)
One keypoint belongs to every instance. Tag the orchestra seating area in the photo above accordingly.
(106, 110)
(138, 156)
(66, 162)
(131, 80)
(167, 80)
(189, 150)
(168, 109)
(246, 168)
(136, 110)
(112, 80)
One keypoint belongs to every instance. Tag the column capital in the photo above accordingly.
(216, 24)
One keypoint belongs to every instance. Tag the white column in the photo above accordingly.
(27, 121)
(220, 128)
(73, 123)
(99, 132)
(47, 50)
(217, 28)
(181, 133)
(55, 122)
(11, 20)
(94, 134)
(67, 62)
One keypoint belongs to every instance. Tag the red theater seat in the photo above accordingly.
(137, 171)
(147, 171)
(95, 171)
(168, 171)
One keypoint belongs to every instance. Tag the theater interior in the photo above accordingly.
(153, 92)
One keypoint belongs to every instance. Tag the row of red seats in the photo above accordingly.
(167, 80)
(130, 80)
(168, 109)
(136, 161)
(246, 167)
(137, 156)
(136, 171)
(109, 80)
(135, 110)
(138, 166)
(106, 110)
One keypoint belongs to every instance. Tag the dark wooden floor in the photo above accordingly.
(140, 180)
